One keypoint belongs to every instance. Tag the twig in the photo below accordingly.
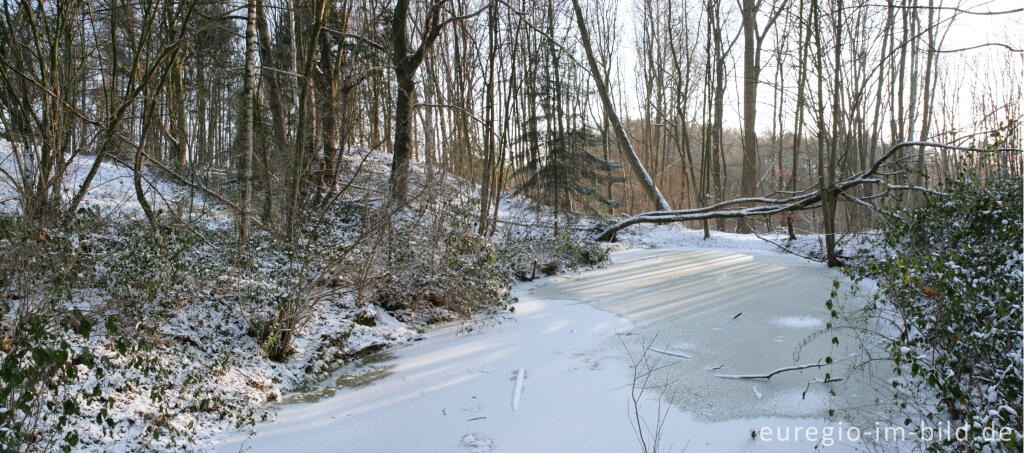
(787, 249)
(773, 373)
(518, 390)
(673, 354)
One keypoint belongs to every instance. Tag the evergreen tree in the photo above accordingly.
(565, 175)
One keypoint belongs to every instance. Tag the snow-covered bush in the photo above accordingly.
(41, 339)
(274, 329)
(82, 355)
(438, 265)
(147, 268)
(561, 252)
(951, 286)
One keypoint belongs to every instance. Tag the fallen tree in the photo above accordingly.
(809, 198)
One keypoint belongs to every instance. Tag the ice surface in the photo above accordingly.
(451, 392)
(691, 297)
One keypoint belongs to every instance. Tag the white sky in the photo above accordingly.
(965, 31)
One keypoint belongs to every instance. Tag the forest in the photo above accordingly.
(217, 216)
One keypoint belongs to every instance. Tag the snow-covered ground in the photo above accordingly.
(702, 313)
(678, 236)
(112, 192)
(566, 348)
(213, 373)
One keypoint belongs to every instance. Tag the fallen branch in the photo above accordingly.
(518, 390)
(804, 200)
(789, 250)
(673, 354)
(773, 373)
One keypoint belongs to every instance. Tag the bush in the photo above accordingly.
(953, 279)
(275, 330)
(449, 267)
(41, 338)
(147, 269)
(562, 252)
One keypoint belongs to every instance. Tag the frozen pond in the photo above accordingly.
(731, 313)
(558, 376)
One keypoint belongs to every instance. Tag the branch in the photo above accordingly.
(950, 8)
(798, 202)
(673, 354)
(988, 44)
(359, 38)
(787, 249)
(441, 25)
(773, 373)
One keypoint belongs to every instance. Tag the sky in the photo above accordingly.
(967, 66)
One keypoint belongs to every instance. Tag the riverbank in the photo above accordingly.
(578, 340)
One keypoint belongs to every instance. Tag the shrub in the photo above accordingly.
(41, 338)
(147, 268)
(564, 251)
(275, 330)
(953, 279)
(454, 269)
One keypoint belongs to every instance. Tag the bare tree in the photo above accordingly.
(602, 88)
(406, 61)
(753, 39)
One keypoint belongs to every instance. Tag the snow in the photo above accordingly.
(678, 236)
(798, 322)
(556, 376)
(112, 192)
(569, 343)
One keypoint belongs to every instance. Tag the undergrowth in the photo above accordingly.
(949, 286)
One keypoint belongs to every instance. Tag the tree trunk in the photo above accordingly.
(748, 180)
(488, 170)
(248, 99)
(638, 169)
(273, 94)
(798, 127)
(176, 105)
(298, 156)
(403, 133)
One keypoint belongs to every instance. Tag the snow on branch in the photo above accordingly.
(773, 373)
(807, 199)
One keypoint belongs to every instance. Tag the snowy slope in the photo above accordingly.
(112, 192)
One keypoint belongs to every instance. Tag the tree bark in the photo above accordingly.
(748, 179)
(248, 100)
